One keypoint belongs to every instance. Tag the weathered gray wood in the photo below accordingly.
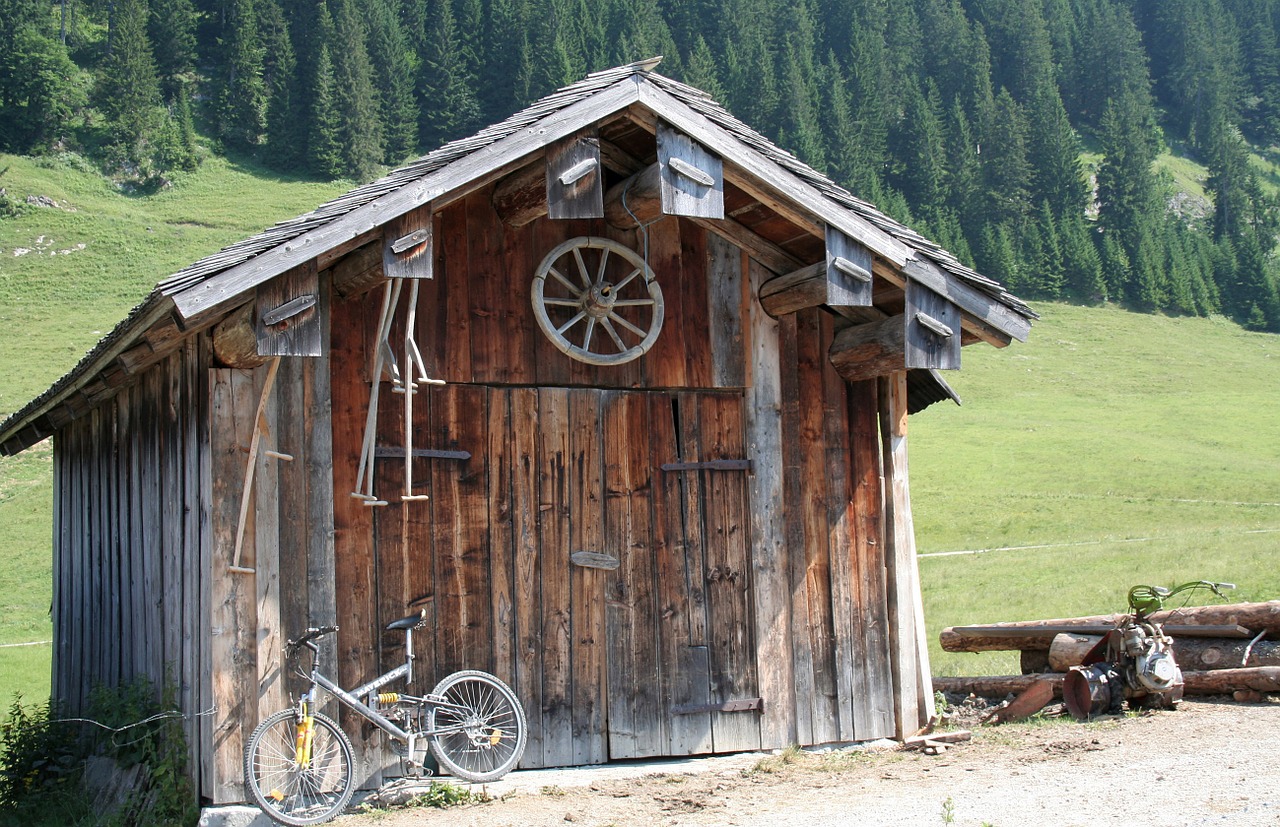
(848, 272)
(726, 303)
(932, 329)
(870, 350)
(442, 186)
(913, 694)
(797, 290)
(768, 552)
(297, 333)
(318, 438)
(408, 246)
(594, 560)
(521, 197)
(692, 180)
(575, 177)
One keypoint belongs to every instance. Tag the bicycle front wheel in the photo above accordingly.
(478, 730)
(294, 794)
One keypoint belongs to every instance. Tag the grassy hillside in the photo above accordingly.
(67, 275)
(1112, 449)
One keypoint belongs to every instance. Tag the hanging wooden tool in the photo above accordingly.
(415, 372)
(246, 494)
(384, 359)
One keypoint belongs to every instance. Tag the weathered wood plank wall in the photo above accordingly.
(129, 599)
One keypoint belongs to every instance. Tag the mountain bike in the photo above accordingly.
(298, 762)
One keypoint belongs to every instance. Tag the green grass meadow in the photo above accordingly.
(67, 276)
(1111, 449)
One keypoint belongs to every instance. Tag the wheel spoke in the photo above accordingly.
(633, 303)
(613, 334)
(577, 318)
(586, 339)
(582, 267)
(560, 277)
(617, 288)
(628, 325)
(604, 259)
(567, 302)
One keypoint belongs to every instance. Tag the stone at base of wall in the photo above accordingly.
(240, 815)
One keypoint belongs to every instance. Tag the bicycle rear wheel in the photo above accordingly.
(292, 794)
(480, 729)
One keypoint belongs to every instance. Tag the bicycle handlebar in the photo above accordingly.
(310, 635)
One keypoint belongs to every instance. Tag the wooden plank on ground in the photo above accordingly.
(772, 625)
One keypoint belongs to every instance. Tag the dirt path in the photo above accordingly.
(1207, 763)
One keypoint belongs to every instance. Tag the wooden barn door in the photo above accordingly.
(678, 621)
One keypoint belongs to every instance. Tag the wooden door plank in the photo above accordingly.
(586, 525)
(390, 547)
(684, 417)
(501, 460)
(294, 529)
(528, 584)
(685, 677)
(811, 360)
(353, 324)
(733, 654)
(318, 473)
(873, 714)
(553, 542)
(271, 696)
(772, 626)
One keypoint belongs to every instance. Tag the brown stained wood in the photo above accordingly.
(635, 726)
(932, 337)
(235, 344)
(635, 201)
(357, 272)
(814, 553)
(695, 313)
(873, 717)
(554, 542)
(589, 642)
(298, 332)
(912, 692)
(454, 295)
(500, 459)
(726, 303)
(528, 582)
(519, 329)
(664, 364)
(492, 298)
(733, 652)
(292, 534)
(521, 197)
(408, 245)
(389, 537)
(868, 351)
(353, 573)
(685, 679)
(575, 177)
(772, 630)
(794, 482)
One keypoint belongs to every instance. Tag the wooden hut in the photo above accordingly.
(616, 388)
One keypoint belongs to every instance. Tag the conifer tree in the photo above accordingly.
(39, 91)
(324, 148)
(506, 56)
(920, 151)
(173, 38)
(286, 118)
(1006, 171)
(242, 106)
(128, 90)
(448, 106)
(1081, 262)
(394, 71)
(700, 69)
(355, 100)
(1054, 155)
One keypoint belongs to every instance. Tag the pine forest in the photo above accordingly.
(1020, 134)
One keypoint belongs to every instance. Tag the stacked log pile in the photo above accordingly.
(1229, 649)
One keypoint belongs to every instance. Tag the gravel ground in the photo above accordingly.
(1209, 762)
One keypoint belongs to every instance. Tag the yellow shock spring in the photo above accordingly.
(304, 737)
(388, 698)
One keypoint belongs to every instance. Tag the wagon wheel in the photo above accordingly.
(597, 301)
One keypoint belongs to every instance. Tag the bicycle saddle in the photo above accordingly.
(413, 621)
